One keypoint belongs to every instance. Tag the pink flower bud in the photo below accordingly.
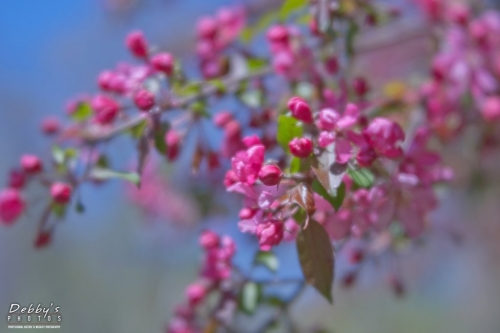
(196, 294)
(332, 65)
(173, 141)
(209, 240)
(61, 192)
(106, 109)
(11, 206)
(491, 108)
(144, 100)
(356, 256)
(222, 118)
(213, 160)
(31, 164)
(328, 119)
(137, 45)
(50, 125)
(230, 179)
(43, 239)
(270, 233)
(105, 80)
(301, 148)
(360, 86)
(17, 179)
(300, 109)
(163, 62)
(251, 140)
(207, 28)
(278, 36)
(270, 175)
(247, 213)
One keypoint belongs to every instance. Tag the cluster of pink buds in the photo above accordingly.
(467, 67)
(214, 35)
(214, 279)
(12, 204)
(290, 57)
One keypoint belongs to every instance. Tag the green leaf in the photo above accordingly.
(316, 258)
(83, 112)
(200, 108)
(267, 259)
(362, 177)
(249, 297)
(189, 89)
(219, 84)
(102, 162)
(137, 131)
(350, 38)
(265, 20)
(256, 64)
(159, 135)
(105, 174)
(59, 210)
(58, 154)
(252, 98)
(295, 165)
(334, 200)
(275, 301)
(291, 6)
(288, 129)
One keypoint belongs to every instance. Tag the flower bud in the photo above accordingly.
(173, 141)
(31, 164)
(206, 28)
(105, 80)
(247, 213)
(209, 240)
(106, 109)
(270, 175)
(491, 108)
(222, 118)
(196, 294)
(385, 136)
(11, 206)
(61, 193)
(278, 36)
(144, 100)
(50, 125)
(300, 109)
(301, 148)
(136, 43)
(163, 62)
(360, 86)
(251, 140)
(270, 233)
(17, 179)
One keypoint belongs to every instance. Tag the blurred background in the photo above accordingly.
(112, 269)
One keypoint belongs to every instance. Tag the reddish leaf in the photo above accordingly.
(329, 172)
(316, 258)
(302, 195)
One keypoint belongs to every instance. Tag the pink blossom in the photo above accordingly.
(247, 164)
(106, 109)
(144, 100)
(300, 109)
(61, 192)
(31, 164)
(11, 206)
(270, 233)
(385, 136)
(163, 62)
(301, 147)
(270, 175)
(491, 108)
(137, 44)
(195, 294)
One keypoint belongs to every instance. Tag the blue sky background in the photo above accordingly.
(112, 273)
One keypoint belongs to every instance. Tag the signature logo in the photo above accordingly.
(34, 316)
